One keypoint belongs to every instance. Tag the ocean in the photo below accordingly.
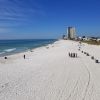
(9, 47)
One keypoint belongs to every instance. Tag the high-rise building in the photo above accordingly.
(71, 33)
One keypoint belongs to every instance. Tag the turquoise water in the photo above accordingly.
(8, 47)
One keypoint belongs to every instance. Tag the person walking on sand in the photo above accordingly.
(69, 54)
(24, 56)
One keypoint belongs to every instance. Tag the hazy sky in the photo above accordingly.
(48, 18)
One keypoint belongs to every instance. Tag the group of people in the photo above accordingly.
(23, 57)
(73, 55)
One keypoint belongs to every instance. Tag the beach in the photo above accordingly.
(48, 73)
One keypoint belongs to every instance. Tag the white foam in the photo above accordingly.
(2, 52)
(10, 50)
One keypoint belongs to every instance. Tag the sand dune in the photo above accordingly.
(50, 74)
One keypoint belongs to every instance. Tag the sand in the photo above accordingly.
(48, 73)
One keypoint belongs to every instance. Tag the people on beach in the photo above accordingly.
(24, 56)
(69, 53)
(74, 55)
(5, 58)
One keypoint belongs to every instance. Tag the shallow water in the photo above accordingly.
(8, 47)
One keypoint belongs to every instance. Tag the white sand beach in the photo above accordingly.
(48, 73)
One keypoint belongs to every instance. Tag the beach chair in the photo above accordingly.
(84, 52)
(96, 61)
(87, 54)
(92, 57)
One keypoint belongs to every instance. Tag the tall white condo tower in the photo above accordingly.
(71, 33)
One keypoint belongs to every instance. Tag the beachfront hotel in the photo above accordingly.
(71, 33)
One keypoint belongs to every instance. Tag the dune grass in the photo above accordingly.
(92, 42)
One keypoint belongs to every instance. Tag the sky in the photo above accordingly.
(44, 19)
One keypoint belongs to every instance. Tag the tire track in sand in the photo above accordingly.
(89, 79)
(76, 84)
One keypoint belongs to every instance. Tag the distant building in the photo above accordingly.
(79, 38)
(98, 40)
(71, 32)
(64, 37)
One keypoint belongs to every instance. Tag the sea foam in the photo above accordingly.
(2, 52)
(10, 50)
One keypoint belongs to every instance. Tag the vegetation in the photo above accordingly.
(92, 42)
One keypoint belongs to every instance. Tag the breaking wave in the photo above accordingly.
(10, 50)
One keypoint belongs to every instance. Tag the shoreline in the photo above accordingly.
(31, 51)
(32, 44)
(24, 51)
(27, 53)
